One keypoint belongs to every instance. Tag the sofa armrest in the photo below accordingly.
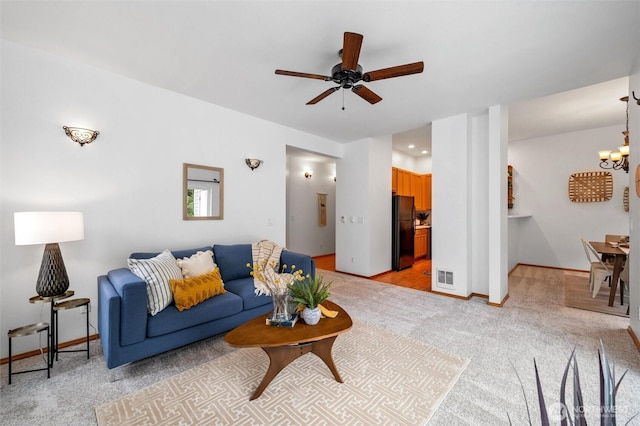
(303, 262)
(133, 305)
(108, 319)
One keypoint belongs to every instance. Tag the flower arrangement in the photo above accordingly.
(276, 285)
(271, 281)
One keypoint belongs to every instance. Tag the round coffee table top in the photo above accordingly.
(255, 333)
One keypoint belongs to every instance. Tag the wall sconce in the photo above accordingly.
(80, 135)
(308, 174)
(253, 163)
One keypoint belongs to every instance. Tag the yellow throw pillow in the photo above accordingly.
(188, 292)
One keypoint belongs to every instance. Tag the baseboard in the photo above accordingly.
(635, 339)
(455, 296)
(549, 267)
(37, 351)
(501, 304)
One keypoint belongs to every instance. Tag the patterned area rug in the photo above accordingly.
(388, 379)
(577, 295)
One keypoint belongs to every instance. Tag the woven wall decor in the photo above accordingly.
(590, 187)
(625, 199)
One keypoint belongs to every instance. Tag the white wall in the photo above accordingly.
(128, 182)
(479, 192)
(496, 206)
(420, 165)
(363, 208)
(469, 203)
(451, 234)
(304, 234)
(551, 237)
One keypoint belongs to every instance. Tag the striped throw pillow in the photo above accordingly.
(157, 272)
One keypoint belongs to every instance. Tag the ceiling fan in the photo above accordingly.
(348, 73)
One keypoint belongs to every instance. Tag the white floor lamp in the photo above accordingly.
(49, 228)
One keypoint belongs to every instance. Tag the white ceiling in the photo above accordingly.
(476, 54)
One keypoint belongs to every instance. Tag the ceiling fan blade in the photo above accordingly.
(303, 74)
(366, 94)
(351, 51)
(323, 95)
(399, 71)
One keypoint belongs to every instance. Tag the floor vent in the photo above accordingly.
(445, 278)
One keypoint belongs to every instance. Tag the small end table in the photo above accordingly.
(52, 328)
(29, 330)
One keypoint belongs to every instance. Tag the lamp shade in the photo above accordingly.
(48, 227)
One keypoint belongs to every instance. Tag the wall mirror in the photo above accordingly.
(202, 192)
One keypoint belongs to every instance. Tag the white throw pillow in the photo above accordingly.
(157, 272)
(198, 264)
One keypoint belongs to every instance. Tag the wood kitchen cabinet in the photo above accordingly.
(426, 188)
(417, 191)
(404, 182)
(420, 244)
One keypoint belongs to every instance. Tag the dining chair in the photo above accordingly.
(624, 280)
(599, 270)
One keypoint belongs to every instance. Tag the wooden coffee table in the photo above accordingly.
(285, 344)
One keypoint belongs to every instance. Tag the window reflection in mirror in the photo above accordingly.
(202, 192)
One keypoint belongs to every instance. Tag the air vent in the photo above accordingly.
(445, 278)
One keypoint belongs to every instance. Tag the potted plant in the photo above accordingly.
(310, 292)
(574, 414)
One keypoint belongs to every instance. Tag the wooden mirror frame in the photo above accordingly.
(186, 167)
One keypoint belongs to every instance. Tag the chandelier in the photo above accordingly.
(620, 158)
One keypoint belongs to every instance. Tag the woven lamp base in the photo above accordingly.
(52, 279)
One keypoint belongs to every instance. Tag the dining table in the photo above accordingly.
(619, 255)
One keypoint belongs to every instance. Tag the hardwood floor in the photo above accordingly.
(417, 277)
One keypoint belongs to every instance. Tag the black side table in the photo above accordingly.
(52, 330)
(29, 330)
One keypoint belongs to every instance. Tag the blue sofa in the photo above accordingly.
(128, 333)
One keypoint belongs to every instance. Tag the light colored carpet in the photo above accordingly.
(533, 323)
(577, 295)
(388, 379)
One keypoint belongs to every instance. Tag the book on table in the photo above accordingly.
(289, 323)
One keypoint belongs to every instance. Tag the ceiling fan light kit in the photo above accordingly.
(348, 73)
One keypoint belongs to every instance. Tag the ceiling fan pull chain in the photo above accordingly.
(343, 99)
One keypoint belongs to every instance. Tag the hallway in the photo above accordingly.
(417, 277)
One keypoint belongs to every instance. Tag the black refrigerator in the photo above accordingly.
(403, 232)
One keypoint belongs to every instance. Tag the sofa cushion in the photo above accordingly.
(188, 292)
(178, 254)
(170, 319)
(232, 260)
(245, 288)
(157, 272)
(197, 264)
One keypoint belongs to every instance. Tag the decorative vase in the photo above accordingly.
(311, 316)
(280, 305)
